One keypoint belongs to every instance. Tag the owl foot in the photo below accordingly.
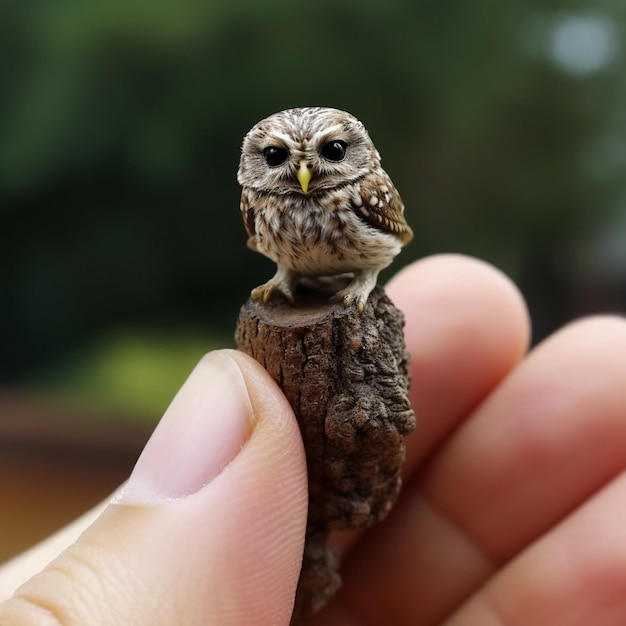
(358, 291)
(267, 290)
(348, 298)
(283, 282)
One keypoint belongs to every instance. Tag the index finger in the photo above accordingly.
(467, 327)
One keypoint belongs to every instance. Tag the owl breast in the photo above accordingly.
(320, 235)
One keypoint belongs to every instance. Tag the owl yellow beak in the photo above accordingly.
(304, 175)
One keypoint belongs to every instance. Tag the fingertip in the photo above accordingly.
(453, 282)
(467, 326)
(594, 332)
(260, 511)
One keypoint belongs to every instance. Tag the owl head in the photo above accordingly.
(304, 151)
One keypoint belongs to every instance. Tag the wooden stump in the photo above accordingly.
(346, 377)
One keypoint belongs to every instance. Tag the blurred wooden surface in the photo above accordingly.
(56, 463)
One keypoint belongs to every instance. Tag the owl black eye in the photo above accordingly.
(334, 150)
(275, 156)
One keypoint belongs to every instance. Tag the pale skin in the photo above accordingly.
(512, 511)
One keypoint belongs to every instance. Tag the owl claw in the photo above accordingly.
(348, 298)
(358, 291)
(265, 292)
(283, 282)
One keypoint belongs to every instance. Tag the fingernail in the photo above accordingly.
(201, 432)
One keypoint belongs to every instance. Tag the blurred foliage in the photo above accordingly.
(503, 124)
(135, 372)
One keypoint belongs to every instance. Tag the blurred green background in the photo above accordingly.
(123, 257)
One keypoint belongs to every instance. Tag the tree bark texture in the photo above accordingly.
(346, 377)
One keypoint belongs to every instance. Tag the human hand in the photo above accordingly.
(208, 530)
(514, 501)
(510, 512)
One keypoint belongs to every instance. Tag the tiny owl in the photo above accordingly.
(316, 201)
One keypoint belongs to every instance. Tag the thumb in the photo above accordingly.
(208, 530)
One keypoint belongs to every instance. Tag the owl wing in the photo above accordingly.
(247, 212)
(380, 205)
